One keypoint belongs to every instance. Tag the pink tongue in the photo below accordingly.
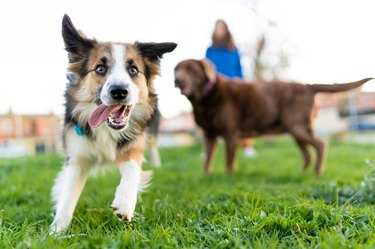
(101, 114)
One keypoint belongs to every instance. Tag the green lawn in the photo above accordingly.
(268, 203)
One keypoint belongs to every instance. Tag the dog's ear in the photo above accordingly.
(209, 68)
(154, 51)
(76, 43)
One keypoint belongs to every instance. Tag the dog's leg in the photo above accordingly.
(210, 144)
(320, 150)
(66, 191)
(301, 133)
(155, 157)
(132, 180)
(154, 153)
(231, 143)
(305, 152)
(126, 192)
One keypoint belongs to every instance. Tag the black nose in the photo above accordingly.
(119, 92)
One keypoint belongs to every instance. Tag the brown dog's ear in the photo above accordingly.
(76, 43)
(209, 69)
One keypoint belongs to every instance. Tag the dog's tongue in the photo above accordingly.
(101, 114)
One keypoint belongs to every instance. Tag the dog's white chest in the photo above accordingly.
(101, 148)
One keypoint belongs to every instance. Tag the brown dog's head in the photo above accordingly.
(192, 77)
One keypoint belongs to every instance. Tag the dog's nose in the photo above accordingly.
(178, 81)
(118, 92)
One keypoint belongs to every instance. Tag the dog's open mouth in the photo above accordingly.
(117, 116)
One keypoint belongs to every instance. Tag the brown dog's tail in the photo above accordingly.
(333, 88)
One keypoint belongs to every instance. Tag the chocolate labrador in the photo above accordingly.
(232, 110)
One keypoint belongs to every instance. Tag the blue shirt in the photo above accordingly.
(227, 62)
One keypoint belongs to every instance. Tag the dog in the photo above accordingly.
(108, 108)
(224, 108)
(153, 133)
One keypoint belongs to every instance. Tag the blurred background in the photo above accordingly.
(309, 41)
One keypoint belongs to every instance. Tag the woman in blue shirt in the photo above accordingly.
(223, 52)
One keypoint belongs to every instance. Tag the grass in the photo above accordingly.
(268, 203)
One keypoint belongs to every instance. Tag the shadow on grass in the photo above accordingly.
(254, 177)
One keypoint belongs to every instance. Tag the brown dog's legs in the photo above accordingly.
(319, 146)
(210, 143)
(231, 143)
(306, 154)
(302, 134)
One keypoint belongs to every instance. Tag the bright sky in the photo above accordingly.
(327, 41)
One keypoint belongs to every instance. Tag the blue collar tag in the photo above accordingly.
(80, 132)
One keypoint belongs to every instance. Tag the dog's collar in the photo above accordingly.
(210, 84)
(80, 131)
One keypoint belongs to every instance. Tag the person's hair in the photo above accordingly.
(227, 42)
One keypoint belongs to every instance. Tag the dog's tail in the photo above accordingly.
(333, 88)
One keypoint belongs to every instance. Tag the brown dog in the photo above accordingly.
(223, 108)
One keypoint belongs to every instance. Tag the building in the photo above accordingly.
(29, 134)
(345, 111)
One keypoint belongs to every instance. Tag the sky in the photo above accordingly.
(326, 41)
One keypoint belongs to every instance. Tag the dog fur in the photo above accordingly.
(224, 108)
(107, 75)
(153, 134)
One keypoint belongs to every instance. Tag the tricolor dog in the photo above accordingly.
(110, 100)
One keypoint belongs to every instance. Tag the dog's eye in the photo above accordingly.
(133, 71)
(100, 70)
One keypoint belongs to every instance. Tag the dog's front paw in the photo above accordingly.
(124, 204)
(59, 225)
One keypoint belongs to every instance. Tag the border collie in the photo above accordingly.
(110, 100)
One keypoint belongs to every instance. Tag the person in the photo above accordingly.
(226, 58)
(223, 52)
